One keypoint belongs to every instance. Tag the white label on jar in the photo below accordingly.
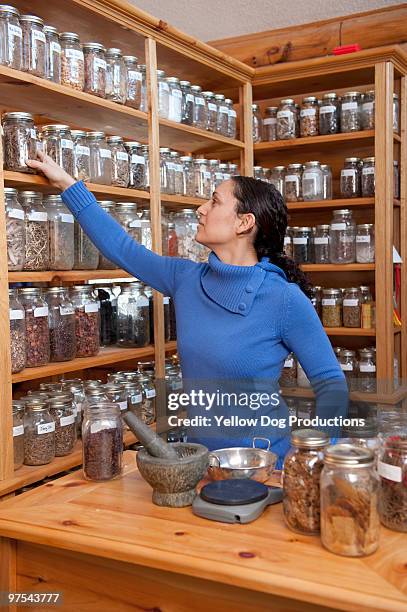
(321, 240)
(367, 367)
(310, 176)
(367, 171)
(55, 47)
(287, 240)
(37, 216)
(41, 311)
(368, 106)
(219, 176)
(211, 106)
(122, 156)
(166, 300)
(81, 150)
(346, 367)
(288, 363)
(194, 227)
(283, 114)
(137, 159)
(16, 315)
(150, 393)
(67, 218)
(142, 301)
(308, 112)
(224, 109)
(338, 226)
(200, 101)
(189, 97)
(136, 399)
(106, 153)
(91, 307)
(134, 75)
(177, 93)
(15, 213)
(349, 105)
(44, 428)
(75, 54)
(79, 407)
(232, 112)
(122, 405)
(99, 63)
(135, 223)
(269, 121)
(14, 30)
(328, 302)
(66, 143)
(101, 425)
(391, 472)
(291, 178)
(351, 302)
(300, 240)
(66, 310)
(362, 238)
(68, 420)
(170, 165)
(163, 85)
(330, 108)
(18, 430)
(348, 172)
(38, 35)
(206, 175)
(33, 133)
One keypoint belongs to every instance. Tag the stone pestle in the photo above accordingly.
(153, 444)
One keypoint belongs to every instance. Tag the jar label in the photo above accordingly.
(346, 367)
(287, 240)
(122, 156)
(134, 75)
(391, 472)
(362, 238)
(310, 176)
(367, 171)
(166, 300)
(292, 178)
(37, 216)
(321, 240)
(41, 311)
(142, 301)
(368, 106)
(135, 223)
(136, 399)
(99, 63)
(351, 302)
(338, 226)
(14, 30)
(16, 315)
(232, 113)
(194, 227)
(18, 430)
(44, 428)
(170, 165)
(55, 47)
(269, 121)
(67, 420)
(150, 393)
(91, 308)
(288, 363)
(300, 240)
(328, 302)
(15, 213)
(224, 109)
(75, 54)
(189, 97)
(38, 35)
(212, 107)
(179, 168)
(163, 86)
(177, 93)
(367, 367)
(348, 172)
(219, 176)
(308, 112)
(105, 153)
(122, 405)
(206, 175)
(283, 114)
(33, 133)
(66, 143)
(137, 159)
(226, 176)
(329, 108)
(200, 101)
(67, 218)
(101, 425)
(349, 105)
(81, 150)
(66, 310)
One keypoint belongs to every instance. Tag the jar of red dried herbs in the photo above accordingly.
(87, 323)
(17, 332)
(392, 469)
(102, 436)
(18, 434)
(36, 326)
(61, 317)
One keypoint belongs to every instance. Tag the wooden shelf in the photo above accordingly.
(353, 267)
(349, 331)
(193, 140)
(356, 396)
(337, 203)
(65, 275)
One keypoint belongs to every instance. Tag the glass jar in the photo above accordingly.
(223, 115)
(133, 322)
(302, 244)
(342, 233)
(270, 124)
(351, 178)
(367, 307)
(396, 113)
(20, 141)
(312, 181)
(148, 406)
(367, 118)
(258, 174)
(286, 120)
(134, 396)
(396, 179)
(301, 474)
(102, 435)
(165, 169)
(367, 371)
(52, 54)
(186, 224)
(137, 163)
(62, 411)
(134, 82)
(145, 228)
(348, 363)
(167, 318)
(257, 124)
(392, 469)
(293, 183)
(143, 104)
(188, 179)
(329, 114)
(188, 103)
(145, 152)
(36, 231)
(309, 117)
(327, 182)
(177, 174)
(232, 119)
(149, 294)
(288, 244)
(61, 320)
(75, 387)
(288, 376)
(95, 69)
(351, 307)
(120, 161)
(86, 254)
(11, 48)
(171, 246)
(368, 177)
(108, 315)
(87, 320)
(17, 332)
(350, 523)
(81, 155)
(128, 218)
(202, 179)
(316, 299)
(116, 394)
(331, 307)
(37, 346)
(18, 434)
(15, 230)
(211, 110)
(163, 95)
(34, 44)
(72, 61)
(351, 112)
(61, 233)
(100, 159)
(277, 176)
(109, 207)
(39, 433)
(321, 244)
(200, 109)
(233, 169)
(365, 243)
(115, 76)
(57, 142)
(175, 100)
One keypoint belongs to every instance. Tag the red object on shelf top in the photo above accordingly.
(346, 49)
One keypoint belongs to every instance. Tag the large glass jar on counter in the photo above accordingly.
(257, 124)
(108, 315)
(61, 319)
(11, 48)
(351, 307)
(62, 411)
(342, 237)
(36, 327)
(351, 112)
(329, 114)
(36, 231)
(18, 434)
(293, 183)
(128, 218)
(20, 141)
(86, 255)
(309, 117)
(87, 321)
(312, 181)
(39, 433)
(17, 332)
(34, 44)
(270, 124)
(277, 176)
(15, 230)
(163, 95)
(368, 177)
(61, 233)
(72, 61)
(349, 481)
(95, 69)
(137, 167)
(146, 233)
(100, 159)
(202, 179)
(302, 244)
(301, 474)
(365, 243)
(392, 469)
(286, 120)
(200, 109)
(367, 371)
(120, 161)
(232, 119)
(134, 81)
(188, 103)
(321, 244)
(211, 110)
(350, 183)
(115, 76)
(222, 118)
(175, 100)
(186, 225)
(81, 155)
(188, 181)
(58, 144)
(331, 307)
(102, 436)
(53, 54)
(348, 363)
(133, 323)
(368, 110)
(109, 207)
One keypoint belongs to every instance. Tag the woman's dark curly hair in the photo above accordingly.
(266, 203)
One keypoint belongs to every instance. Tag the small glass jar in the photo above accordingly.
(36, 231)
(396, 113)
(331, 307)
(75, 387)
(312, 181)
(133, 395)
(257, 124)
(329, 115)
(286, 120)
(396, 179)
(100, 159)
(232, 119)
(72, 61)
(202, 179)
(52, 54)
(134, 82)
(137, 176)
(61, 233)
(321, 244)
(302, 244)
(128, 218)
(165, 169)
(109, 207)
(368, 177)
(115, 76)
(17, 332)
(148, 406)
(87, 320)
(351, 112)
(19, 140)
(102, 436)
(367, 119)
(95, 69)
(200, 109)
(18, 434)
(149, 294)
(186, 224)
(367, 308)
(277, 176)
(11, 48)
(223, 115)
(145, 228)
(288, 244)
(188, 179)
(143, 104)
(34, 44)
(258, 174)
(342, 234)
(301, 474)
(270, 124)
(288, 376)
(293, 183)
(39, 433)
(365, 243)
(350, 182)
(367, 371)
(120, 161)
(392, 469)
(352, 307)
(15, 230)
(188, 103)
(170, 247)
(316, 299)
(211, 110)
(177, 174)
(163, 95)
(133, 321)
(57, 142)
(348, 363)
(175, 100)
(81, 155)
(61, 320)
(37, 346)
(108, 315)
(327, 182)
(309, 117)
(350, 523)
(86, 254)
(145, 152)
(62, 411)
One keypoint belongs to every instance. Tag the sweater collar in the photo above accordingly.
(235, 287)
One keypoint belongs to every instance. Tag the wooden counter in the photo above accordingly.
(107, 547)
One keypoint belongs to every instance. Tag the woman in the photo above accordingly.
(238, 315)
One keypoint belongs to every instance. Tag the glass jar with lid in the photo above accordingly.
(312, 181)
(11, 48)
(133, 393)
(20, 141)
(18, 434)
(352, 307)
(175, 100)
(342, 233)
(62, 411)
(331, 307)
(367, 371)
(75, 387)
(72, 61)
(350, 183)
(143, 102)
(146, 234)
(116, 394)
(288, 376)
(15, 230)
(258, 174)
(52, 54)
(316, 299)
(288, 243)
(177, 176)
(86, 254)
(17, 332)
(233, 169)
(81, 155)
(202, 178)
(368, 177)
(392, 469)
(115, 76)
(365, 243)
(257, 124)
(329, 115)
(367, 119)
(61, 320)
(57, 142)
(217, 174)
(149, 294)
(200, 108)
(367, 308)
(351, 111)
(188, 103)
(186, 225)
(165, 169)
(95, 69)
(396, 113)
(302, 244)
(327, 182)
(188, 179)
(137, 165)
(286, 119)
(120, 161)
(277, 176)
(133, 322)
(61, 233)
(301, 474)
(226, 175)
(232, 119)
(349, 480)
(134, 81)
(108, 315)
(100, 159)
(148, 407)
(146, 154)
(170, 247)
(163, 95)
(309, 117)
(39, 433)
(102, 436)
(34, 44)
(223, 115)
(270, 124)
(87, 320)
(36, 231)
(128, 218)
(321, 244)
(109, 207)
(211, 110)
(348, 363)
(396, 179)
(293, 183)
(36, 325)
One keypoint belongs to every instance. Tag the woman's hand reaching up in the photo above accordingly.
(54, 173)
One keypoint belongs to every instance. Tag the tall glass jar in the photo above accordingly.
(36, 327)
(288, 376)
(352, 307)
(312, 181)
(133, 323)
(331, 307)
(39, 433)
(75, 387)
(137, 165)
(365, 243)
(200, 109)
(148, 291)
(286, 120)
(258, 174)
(143, 103)
(367, 119)
(202, 179)
(87, 321)
(34, 44)
(108, 315)
(392, 469)
(188, 180)
(134, 81)
(175, 100)
(178, 173)
(211, 110)
(367, 371)
(163, 95)
(120, 161)
(396, 113)
(342, 235)
(186, 224)
(223, 115)
(115, 76)
(302, 244)
(102, 435)
(148, 407)
(188, 103)
(57, 142)
(20, 141)
(134, 396)
(36, 231)
(329, 114)
(321, 244)
(165, 169)
(301, 474)
(257, 124)
(348, 363)
(86, 254)
(11, 48)
(277, 176)
(350, 182)
(351, 112)
(53, 54)
(232, 119)
(61, 233)
(95, 69)
(72, 61)
(367, 308)
(18, 434)
(146, 234)
(316, 299)
(116, 394)
(61, 319)
(309, 117)
(109, 207)
(62, 411)
(368, 177)
(128, 218)
(145, 152)
(349, 481)
(327, 182)
(15, 230)
(100, 159)
(17, 332)
(293, 183)
(270, 124)
(81, 155)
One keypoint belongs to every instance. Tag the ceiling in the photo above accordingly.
(214, 19)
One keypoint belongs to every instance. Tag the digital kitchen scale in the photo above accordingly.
(238, 500)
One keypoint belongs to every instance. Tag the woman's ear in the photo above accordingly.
(246, 222)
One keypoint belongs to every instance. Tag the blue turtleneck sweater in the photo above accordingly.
(235, 326)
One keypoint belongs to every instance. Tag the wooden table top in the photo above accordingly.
(117, 520)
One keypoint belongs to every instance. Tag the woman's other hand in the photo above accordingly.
(54, 173)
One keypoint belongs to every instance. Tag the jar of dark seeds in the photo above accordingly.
(331, 307)
(87, 321)
(108, 316)
(232, 118)
(368, 177)
(212, 111)
(17, 332)
(133, 323)
(61, 233)
(61, 318)
(293, 183)
(120, 161)
(95, 69)
(61, 410)
(329, 114)
(288, 376)
(188, 103)
(367, 371)
(302, 244)
(257, 124)
(342, 234)
(368, 110)
(102, 435)
(81, 155)
(286, 120)
(309, 117)
(39, 433)
(222, 118)
(352, 307)
(18, 434)
(200, 109)
(350, 182)
(134, 81)
(115, 76)
(53, 54)
(34, 44)
(348, 363)
(321, 244)
(100, 159)
(137, 177)
(351, 112)
(365, 243)
(86, 253)
(37, 327)
(11, 49)
(20, 141)
(128, 218)
(36, 231)
(109, 207)
(72, 61)
(15, 230)
(270, 124)
(58, 144)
